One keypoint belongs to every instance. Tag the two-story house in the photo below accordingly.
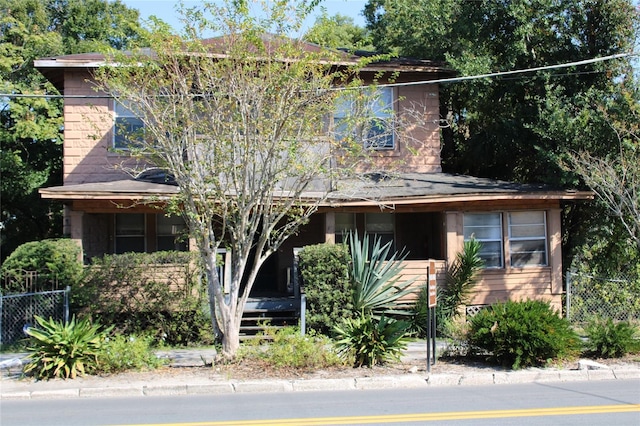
(416, 206)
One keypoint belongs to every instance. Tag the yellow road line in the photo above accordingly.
(421, 417)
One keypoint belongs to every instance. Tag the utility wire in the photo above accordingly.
(413, 83)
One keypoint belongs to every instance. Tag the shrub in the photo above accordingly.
(57, 262)
(325, 275)
(609, 339)
(287, 347)
(522, 334)
(419, 314)
(371, 341)
(64, 350)
(158, 294)
(122, 353)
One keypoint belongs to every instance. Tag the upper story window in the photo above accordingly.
(526, 241)
(376, 132)
(128, 128)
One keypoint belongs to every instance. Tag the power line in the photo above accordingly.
(413, 83)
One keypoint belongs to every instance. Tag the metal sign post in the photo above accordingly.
(431, 313)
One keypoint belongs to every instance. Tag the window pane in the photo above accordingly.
(345, 222)
(487, 229)
(379, 222)
(129, 244)
(491, 253)
(129, 224)
(171, 233)
(350, 112)
(526, 218)
(528, 242)
(128, 128)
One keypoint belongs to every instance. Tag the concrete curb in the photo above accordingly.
(302, 385)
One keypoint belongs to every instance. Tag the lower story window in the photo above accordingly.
(138, 232)
(487, 229)
(526, 240)
(130, 233)
(376, 225)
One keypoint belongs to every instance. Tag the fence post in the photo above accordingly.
(568, 298)
(1, 330)
(67, 290)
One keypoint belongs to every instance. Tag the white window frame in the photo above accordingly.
(528, 238)
(380, 108)
(122, 112)
(475, 231)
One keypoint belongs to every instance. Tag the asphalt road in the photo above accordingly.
(615, 402)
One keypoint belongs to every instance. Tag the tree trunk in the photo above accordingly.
(230, 339)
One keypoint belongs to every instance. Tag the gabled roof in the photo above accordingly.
(53, 67)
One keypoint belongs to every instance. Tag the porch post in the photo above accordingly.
(555, 249)
(330, 227)
(454, 234)
(73, 226)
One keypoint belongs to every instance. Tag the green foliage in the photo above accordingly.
(338, 31)
(420, 313)
(525, 128)
(31, 127)
(325, 275)
(371, 341)
(56, 262)
(522, 334)
(375, 275)
(462, 276)
(287, 347)
(122, 353)
(158, 294)
(64, 350)
(614, 297)
(609, 339)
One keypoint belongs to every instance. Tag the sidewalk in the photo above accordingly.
(182, 382)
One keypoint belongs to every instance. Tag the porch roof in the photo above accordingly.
(370, 189)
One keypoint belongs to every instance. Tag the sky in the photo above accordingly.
(165, 9)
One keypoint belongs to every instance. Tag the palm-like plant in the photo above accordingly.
(64, 350)
(375, 276)
(461, 277)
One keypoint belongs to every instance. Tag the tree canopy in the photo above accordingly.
(239, 122)
(524, 127)
(31, 123)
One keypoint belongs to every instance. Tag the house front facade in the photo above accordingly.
(404, 197)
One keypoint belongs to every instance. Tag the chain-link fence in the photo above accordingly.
(589, 296)
(18, 311)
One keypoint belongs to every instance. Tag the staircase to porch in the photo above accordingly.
(275, 312)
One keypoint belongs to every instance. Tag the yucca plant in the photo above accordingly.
(64, 350)
(370, 341)
(375, 275)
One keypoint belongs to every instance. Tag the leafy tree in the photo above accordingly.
(241, 132)
(494, 119)
(338, 31)
(30, 121)
(521, 127)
